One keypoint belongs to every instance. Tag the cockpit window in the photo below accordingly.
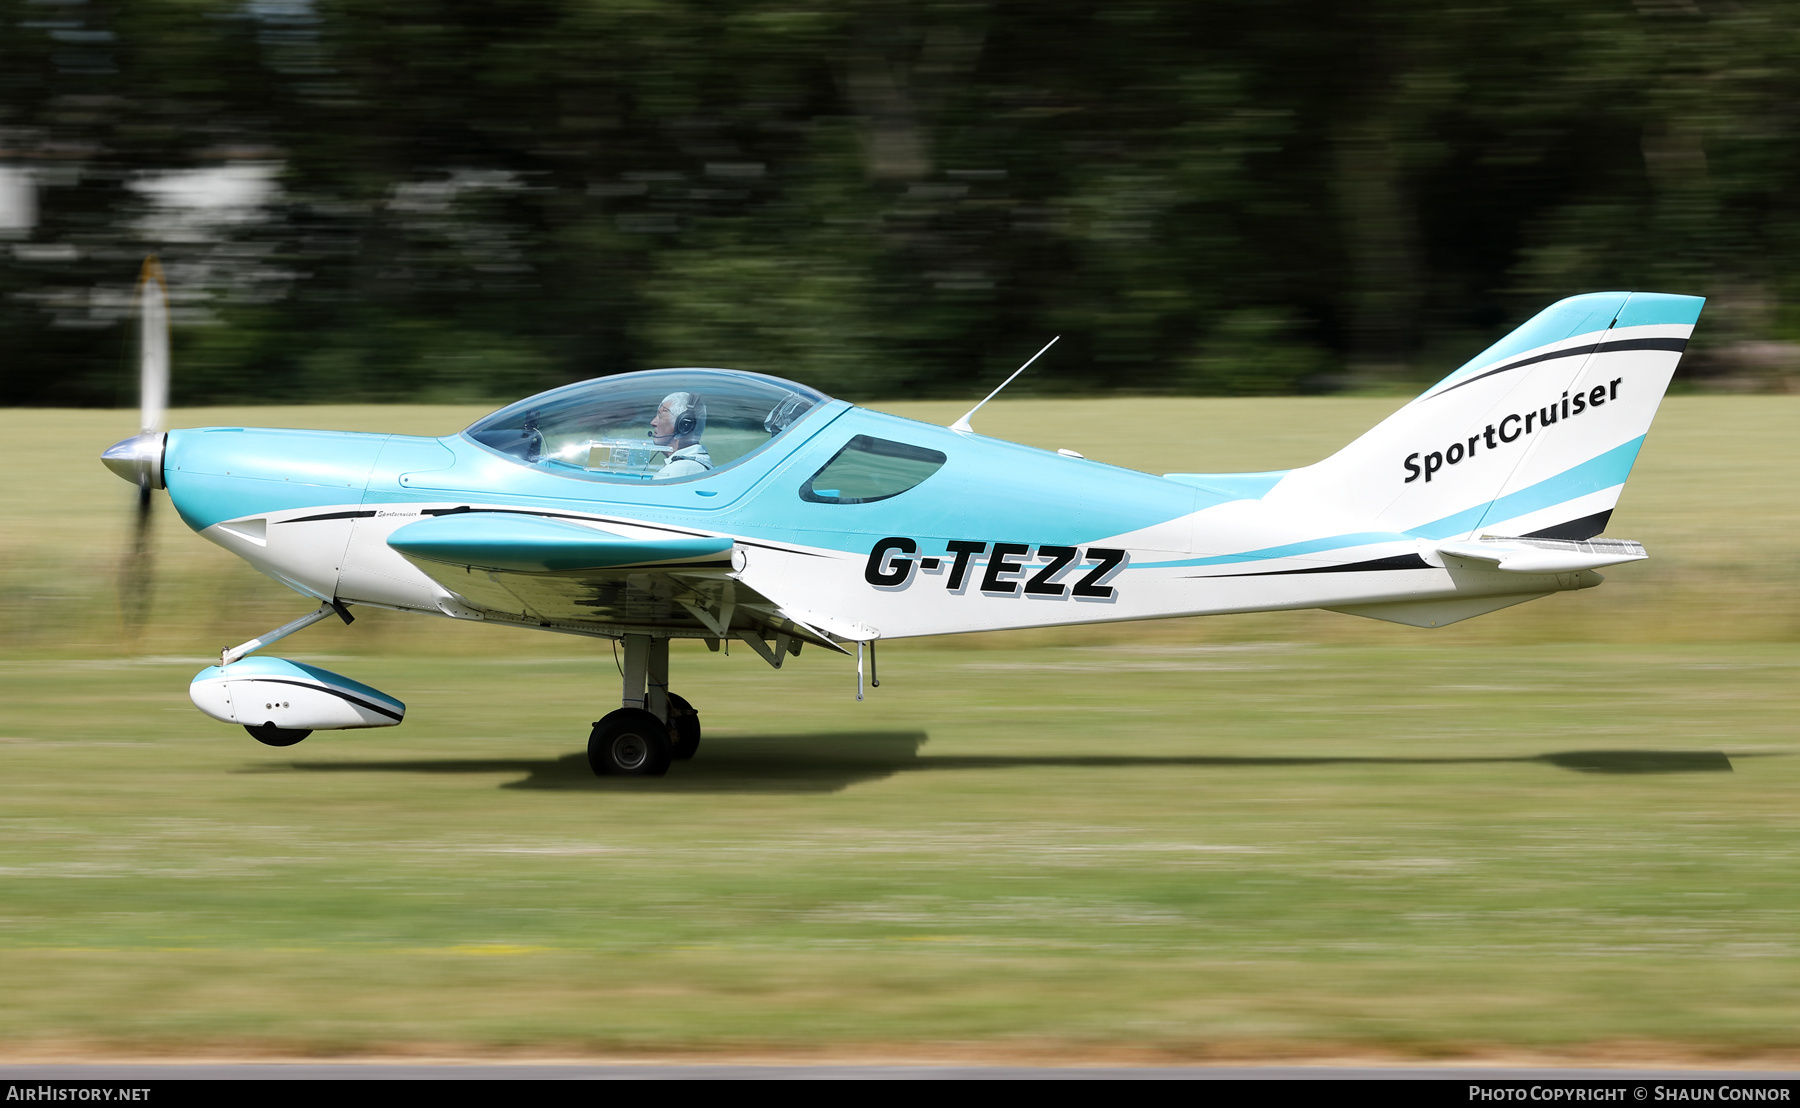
(869, 469)
(659, 425)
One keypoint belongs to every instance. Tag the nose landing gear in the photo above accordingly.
(654, 727)
(270, 735)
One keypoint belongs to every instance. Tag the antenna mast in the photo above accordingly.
(963, 423)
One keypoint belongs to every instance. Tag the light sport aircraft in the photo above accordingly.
(721, 505)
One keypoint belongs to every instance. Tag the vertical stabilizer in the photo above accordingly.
(1534, 436)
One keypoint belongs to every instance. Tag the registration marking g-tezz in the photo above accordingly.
(1003, 573)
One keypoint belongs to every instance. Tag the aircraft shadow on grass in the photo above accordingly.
(833, 761)
(730, 764)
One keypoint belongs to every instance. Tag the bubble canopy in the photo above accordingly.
(635, 426)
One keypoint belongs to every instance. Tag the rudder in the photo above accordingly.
(1534, 436)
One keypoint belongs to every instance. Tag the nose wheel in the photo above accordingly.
(270, 735)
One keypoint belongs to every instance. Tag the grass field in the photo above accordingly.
(1564, 830)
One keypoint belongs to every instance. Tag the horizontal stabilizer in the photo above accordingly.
(536, 544)
(1533, 555)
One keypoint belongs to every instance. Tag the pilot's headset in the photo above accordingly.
(687, 414)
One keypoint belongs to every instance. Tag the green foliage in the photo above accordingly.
(883, 197)
(1254, 353)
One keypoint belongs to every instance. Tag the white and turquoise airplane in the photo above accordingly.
(721, 505)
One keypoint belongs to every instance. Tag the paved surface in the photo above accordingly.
(388, 1071)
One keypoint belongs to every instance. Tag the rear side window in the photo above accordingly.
(870, 469)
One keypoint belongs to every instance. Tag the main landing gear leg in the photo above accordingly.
(683, 722)
(656, 698)
(635, 740)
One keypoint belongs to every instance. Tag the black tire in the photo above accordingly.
(270, 735)
(629, 743)
(684, 729)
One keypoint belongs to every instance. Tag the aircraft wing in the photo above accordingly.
(574, 575)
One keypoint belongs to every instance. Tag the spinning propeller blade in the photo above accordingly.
(140, 458)
(153, 331)
(137, 573)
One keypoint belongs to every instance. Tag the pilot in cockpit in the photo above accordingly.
(678, 425)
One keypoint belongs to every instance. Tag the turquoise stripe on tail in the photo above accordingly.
(1535, 436)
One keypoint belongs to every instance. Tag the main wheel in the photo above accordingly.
(629, 743)
(684, 729)
(270, 735)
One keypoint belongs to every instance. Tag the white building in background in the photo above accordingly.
(18, 202)
(204, 205)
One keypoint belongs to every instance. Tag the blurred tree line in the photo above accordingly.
(460, 199)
